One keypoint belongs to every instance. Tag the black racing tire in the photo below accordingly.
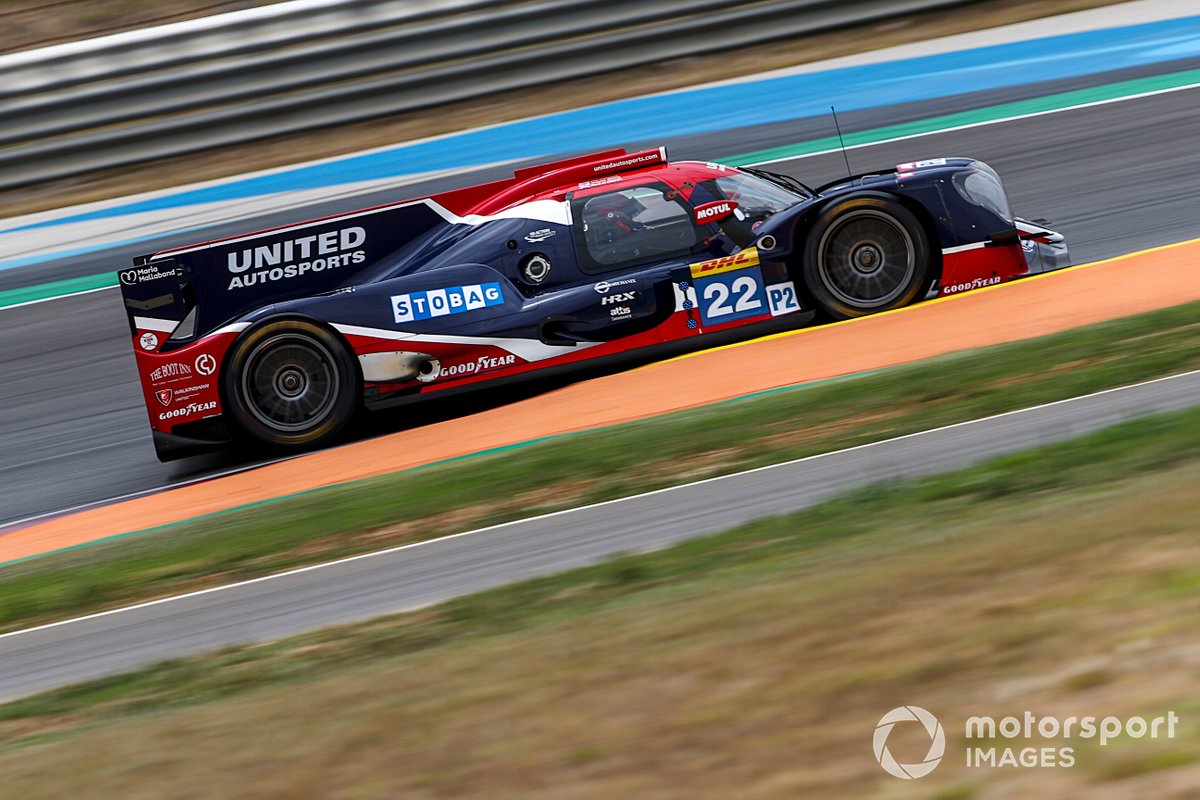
(291, 384)
(864, 255)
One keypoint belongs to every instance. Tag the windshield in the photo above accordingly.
(757, 198)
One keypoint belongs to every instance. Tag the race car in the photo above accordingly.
(281, 337)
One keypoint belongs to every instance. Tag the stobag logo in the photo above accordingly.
(416, 306)
(937, 742)
(294, 258)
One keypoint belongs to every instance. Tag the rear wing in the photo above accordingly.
(156, 298)
(187, 292)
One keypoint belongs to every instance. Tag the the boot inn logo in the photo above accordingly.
(1025, 727)
(296, 257)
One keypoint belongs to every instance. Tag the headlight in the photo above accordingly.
(983, 188)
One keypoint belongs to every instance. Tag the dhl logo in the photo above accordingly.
(746, 258)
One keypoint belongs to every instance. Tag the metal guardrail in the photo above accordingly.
(316, 63)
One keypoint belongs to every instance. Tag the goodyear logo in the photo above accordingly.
(440, 302)
(746, 258)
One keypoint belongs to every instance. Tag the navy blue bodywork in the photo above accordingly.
(372, 273)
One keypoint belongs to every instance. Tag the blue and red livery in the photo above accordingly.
(282, 336)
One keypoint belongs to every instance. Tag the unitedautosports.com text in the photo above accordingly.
(1026, 728)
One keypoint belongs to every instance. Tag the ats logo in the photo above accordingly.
(746, 258)
(165, 396)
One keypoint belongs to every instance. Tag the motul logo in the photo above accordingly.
(713, 212)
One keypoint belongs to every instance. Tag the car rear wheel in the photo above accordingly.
(865, 255)
(292, 383)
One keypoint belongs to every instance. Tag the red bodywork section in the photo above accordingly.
(181, 386)
(981, 266)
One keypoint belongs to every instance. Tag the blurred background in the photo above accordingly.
(756, 665)
(180, 88)
(28, 26)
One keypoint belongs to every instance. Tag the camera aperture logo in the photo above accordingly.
(937, 742)
(1025, 741)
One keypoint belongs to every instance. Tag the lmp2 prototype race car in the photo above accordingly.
(282, 336)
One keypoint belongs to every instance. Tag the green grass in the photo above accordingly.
(1088, 464)
(932, 591)
(594, 466)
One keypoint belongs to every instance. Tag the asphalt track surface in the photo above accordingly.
(73, 429)
(426, 573)
(707, 146)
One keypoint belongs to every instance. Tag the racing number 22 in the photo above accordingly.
(743, 288)
(724, 298)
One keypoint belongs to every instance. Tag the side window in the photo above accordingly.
(633, 225)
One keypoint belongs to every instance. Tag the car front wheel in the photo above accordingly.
(865, 255)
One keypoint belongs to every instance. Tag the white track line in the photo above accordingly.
(861, 145)
(982, 123)
(7, 528)
(57, 297)
(399, 548)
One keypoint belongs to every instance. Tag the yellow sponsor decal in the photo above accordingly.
(746, 258)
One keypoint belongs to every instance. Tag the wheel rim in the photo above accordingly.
(866, 259)
(290, 383)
